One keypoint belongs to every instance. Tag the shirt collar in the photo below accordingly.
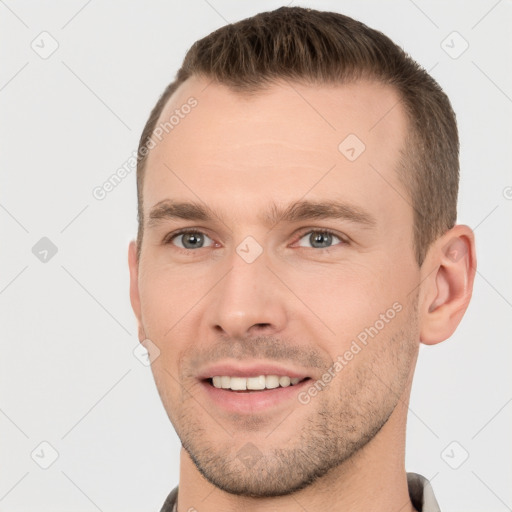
(420, 492)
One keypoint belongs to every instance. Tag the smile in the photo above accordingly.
(258, 383)
(248, 395)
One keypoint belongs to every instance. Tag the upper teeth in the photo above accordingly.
(260, 382)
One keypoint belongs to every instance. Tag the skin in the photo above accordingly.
(297, 303)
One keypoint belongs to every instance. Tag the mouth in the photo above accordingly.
(257, 394)
(257, 384)
(250, 387)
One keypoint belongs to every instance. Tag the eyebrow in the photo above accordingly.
(308, 210)
(295, 212)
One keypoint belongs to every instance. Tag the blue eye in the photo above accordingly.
(319, 239)
(191, 240)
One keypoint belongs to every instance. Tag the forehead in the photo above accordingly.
(283, 142)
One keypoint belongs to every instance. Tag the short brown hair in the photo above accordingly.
(312, 47)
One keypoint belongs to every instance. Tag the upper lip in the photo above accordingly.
(245, 369)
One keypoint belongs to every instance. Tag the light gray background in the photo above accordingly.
(68, 373)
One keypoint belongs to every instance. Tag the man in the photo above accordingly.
(297, 189)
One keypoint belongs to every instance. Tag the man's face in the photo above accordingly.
(248, 292)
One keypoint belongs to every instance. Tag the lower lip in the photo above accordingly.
(252, 401)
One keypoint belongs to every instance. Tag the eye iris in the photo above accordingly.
(320, 240)
(192, 240)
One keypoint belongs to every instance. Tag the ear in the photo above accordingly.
(133, 264)
(447, 289)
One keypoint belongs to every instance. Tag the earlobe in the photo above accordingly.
(133, 265)
(447, 290)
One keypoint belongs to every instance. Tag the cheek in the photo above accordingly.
(359, 310)
(167, 297)
(346, 299)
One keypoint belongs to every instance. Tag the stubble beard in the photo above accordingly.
(343, 419)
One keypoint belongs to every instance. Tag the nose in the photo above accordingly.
(248, 300)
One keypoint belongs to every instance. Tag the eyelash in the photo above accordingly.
(343, 239)
(171, 236)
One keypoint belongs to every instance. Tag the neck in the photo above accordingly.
(373, 479)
